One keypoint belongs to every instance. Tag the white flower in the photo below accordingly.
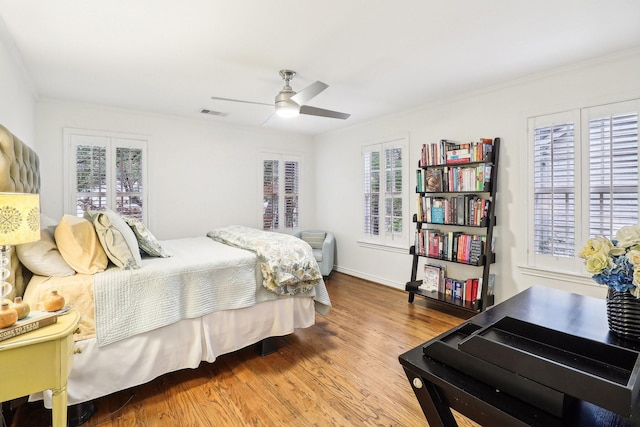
(628, 236)
(634, 256)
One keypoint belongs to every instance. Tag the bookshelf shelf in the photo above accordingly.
(441, 298)
(454, 226)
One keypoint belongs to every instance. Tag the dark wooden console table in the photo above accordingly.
(489, 387)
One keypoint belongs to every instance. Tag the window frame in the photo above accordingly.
(397, 242)
(556, 267)
(111, 141)
(281, 158)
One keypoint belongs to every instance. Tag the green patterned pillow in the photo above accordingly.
(315, 239)
(116, 238)
(147, 241)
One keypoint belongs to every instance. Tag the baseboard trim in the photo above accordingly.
(369, 277)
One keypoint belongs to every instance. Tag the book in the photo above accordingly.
(437, 211)
(35, 320)
(431, 278)
(457, 291)
(476, 250)
(433, 180)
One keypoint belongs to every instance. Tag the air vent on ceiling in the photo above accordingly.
(212, 112)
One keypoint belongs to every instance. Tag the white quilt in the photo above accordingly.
(202, 276)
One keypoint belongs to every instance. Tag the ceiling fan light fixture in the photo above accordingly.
(287, 110)
(285, 107)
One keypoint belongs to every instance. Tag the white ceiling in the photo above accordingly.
(377, 56)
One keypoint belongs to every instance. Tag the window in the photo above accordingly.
(385, 207)
(584, 180)
(280, 191)
(105, 171)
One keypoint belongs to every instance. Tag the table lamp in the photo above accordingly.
(19, 223)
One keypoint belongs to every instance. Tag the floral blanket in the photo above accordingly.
(287, 263)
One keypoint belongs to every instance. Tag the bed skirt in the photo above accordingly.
(178, 346)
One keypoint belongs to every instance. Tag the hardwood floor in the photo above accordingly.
(343, 371)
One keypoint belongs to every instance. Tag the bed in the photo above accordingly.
(201, 298)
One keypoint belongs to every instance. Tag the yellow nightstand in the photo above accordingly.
(40, 360)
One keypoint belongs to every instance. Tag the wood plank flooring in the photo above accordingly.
(343, 371)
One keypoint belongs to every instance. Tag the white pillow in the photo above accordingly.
(116, 237)
(42, 257)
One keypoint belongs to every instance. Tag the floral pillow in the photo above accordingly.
(146, 241)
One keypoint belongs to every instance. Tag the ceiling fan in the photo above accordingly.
(288, 103)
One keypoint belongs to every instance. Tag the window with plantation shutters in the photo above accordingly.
(613, 178)
(385, 193)
(280, 191)
(584, 175)
(105, 171)
(372, 192)
(291, 195)
(393, 209)
(554, 189)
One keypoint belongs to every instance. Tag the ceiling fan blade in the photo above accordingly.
(239, 100)
(267, 119)
(309, 92)
(313, 111)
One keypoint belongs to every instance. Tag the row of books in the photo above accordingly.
(470, 290)
(451, 246)
(463, 209)
(451, 152)
(454, 178)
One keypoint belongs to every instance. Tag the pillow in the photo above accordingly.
(42, 257)
(315, 239)
(147, 241)
(116, 237)
(79, 245)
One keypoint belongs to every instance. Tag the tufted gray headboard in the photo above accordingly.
(19, 173)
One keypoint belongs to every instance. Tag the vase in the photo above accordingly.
(623, 314)
(21, 307)
(8, 316)
(54, 301)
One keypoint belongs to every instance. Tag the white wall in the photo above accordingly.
(17, 93)
(202, 173)
(497, 112)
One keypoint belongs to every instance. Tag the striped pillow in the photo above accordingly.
(315, 239)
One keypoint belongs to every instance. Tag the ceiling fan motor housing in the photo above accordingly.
(285, 107)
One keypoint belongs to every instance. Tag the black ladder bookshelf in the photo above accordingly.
(459, 218)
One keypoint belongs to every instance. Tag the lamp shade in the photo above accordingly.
(19, 218)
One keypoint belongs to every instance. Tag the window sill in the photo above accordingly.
(384, 247)
(558, 275)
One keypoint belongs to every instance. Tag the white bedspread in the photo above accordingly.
(202, 276)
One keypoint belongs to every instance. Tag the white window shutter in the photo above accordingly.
(613, 167)
(105, 170)
(280, 191)
(554, 189)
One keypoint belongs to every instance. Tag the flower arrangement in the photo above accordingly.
(615, 263)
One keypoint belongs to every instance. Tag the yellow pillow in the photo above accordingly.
(78, 244)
